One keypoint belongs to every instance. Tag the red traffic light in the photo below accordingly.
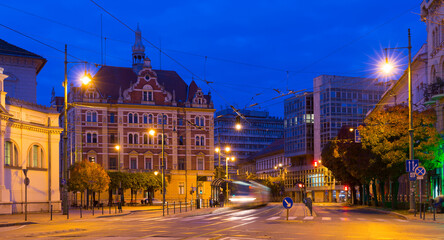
(345, 188)
(315, 163)
(300, 185)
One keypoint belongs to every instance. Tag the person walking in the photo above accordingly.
(221, 199)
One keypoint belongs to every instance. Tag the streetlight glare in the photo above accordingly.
(217, 149)
(387, 67)
(227, 149)
(238, 126)
(86, 79)
(156, 172)
(233, 158)
(351, 129)
(117, 147)
(151, 132)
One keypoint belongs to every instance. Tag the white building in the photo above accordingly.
(29, 139)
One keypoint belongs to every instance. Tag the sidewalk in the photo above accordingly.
(74, 214)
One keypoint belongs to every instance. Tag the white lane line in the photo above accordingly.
(249, 219)
(381, 220)
(362, 219)
(344, 219)
(233, 218)
(401, 220)
(326, 218)
(214, 218)
(308, 218)
(292, 218)
(272, 218)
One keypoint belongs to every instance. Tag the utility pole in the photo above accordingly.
(65, 139)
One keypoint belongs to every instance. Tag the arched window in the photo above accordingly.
(150, 119)
(136, 138)
(196, 121)
(94, 117)
(145, 139)
(88, 138)
(151, 139)
(165, 119)
(165, 139)
(145, 118)
(94, 138)
(136, 118)
(88, 117)
(197, 141)
(130, 118)
(202, 121)
(159, 119)
(181, 140)
(35, 157)
(202, 141)
(130, 138)
(11, 154)
(159, 139)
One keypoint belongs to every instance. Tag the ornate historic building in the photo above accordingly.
(122, 104)
(29, 140)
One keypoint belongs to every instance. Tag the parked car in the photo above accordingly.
(155, 201)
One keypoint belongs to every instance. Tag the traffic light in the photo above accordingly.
(315, 163)
(345, 188)
(300, 185)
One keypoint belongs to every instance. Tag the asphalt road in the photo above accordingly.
(330, 222)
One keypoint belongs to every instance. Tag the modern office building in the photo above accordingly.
(258, 131)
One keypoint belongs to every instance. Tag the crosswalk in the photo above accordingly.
(327, 219)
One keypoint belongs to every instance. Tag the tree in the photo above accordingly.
(385, 134)
(86, 175)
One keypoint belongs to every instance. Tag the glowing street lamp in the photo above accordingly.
(227, 149)
(156, 173)
(86, 79)
(117, 147)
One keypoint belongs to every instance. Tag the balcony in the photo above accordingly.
(434, 91)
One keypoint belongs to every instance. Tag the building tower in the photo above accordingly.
(138, 52)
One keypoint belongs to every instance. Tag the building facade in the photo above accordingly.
(29, 141)
(120, 107)
(21, 67)
(258, 131)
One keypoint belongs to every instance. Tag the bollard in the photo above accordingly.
(81, 211)
(102, 209)
(51, 212)
(115, 209)
(424, 212)
(93, 210)
(186, 207)
(168, 212)
(67, 213)
(180, 206)
(191, 205)
(174, 204)
(110, 208)
(434, 213)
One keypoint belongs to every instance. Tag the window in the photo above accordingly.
(148, 163)
(111, 118)
(130, 138)
(11, 154)
(202, 141)
(145, 139)
(197, 141)
(181, 164)
(92, 159)
(196, 121)
(112, 138)
(150, 139)
(202, 121)
(130, 118)
(147, 96)
(159, 119)
(181, 140)
(180, 123)
(136, 118)
(133, 162)
(159, 139)
(88, 138)
(112, 163)
(145, 119)
(91, 116)
(35, 157)
(94, 138)
(200, 164)
(150, 119)
(181, 188)
(136, 139)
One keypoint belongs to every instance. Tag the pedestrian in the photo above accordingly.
(221, 199)
(211, 202)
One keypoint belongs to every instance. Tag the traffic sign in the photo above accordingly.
(288, 203)
(63, 181)
(357, 136)
(412, 176)
(420, 171)
(410, 165)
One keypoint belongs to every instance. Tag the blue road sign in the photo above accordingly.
(410, 165)
(63, 181)
(420, 171)
(288, 203)
(412, 176)
(357, 136)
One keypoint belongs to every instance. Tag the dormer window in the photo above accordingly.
(147, 96)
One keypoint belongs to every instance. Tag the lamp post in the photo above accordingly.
(388, 68)
(117, 147)
(86, 79)
(152, 132)
(227, 159)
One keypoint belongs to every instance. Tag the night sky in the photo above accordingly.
(250, 44)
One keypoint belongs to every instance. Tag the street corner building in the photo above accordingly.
(29, 139)
(123, 104)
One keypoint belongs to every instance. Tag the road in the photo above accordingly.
(330, 222)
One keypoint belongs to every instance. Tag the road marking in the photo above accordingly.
(401, 220)
(362, 219)
(344, 219)
(326, 218)
(381, 220)
(291, 218)
(272, 218)
(233, 218)
(249, 219)
(214, 218)
(308, 218)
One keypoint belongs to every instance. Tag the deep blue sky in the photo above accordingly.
(317, 37)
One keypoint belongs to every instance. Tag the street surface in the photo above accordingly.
(329, 222)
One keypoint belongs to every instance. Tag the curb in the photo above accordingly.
(389, 212)
(16, 224)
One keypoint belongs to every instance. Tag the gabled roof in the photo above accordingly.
(12, 50)
(109, 79)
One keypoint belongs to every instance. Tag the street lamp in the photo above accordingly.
(152, 132)
(85, 80)
(388, 68)
(117, 147)
(227, 159)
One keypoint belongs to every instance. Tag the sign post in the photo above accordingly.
(420, 172)
(26, 182)
(287, 203)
